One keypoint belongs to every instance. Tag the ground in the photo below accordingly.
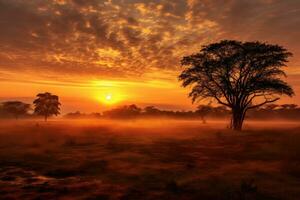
(148, 159)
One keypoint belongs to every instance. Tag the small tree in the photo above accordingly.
(289, 106)
(271, 107)
(203, 111)
(127, 111)
(235, 74)
(15, 108)
(151, 110)
(47, 105)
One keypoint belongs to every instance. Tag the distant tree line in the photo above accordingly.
(46, 105)
(203, 112)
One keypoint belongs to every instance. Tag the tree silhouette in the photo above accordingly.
(127, 111)
(271, 107)
(15, 108)
(203, 111)
(239, 75)
(151, 110)
(289, 106)
(47, 105)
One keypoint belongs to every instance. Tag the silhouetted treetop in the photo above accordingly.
(16, 108)
(46, 104)
(123, 111)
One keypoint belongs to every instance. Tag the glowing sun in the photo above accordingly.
(108, 97)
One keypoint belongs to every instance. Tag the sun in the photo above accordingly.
(110, 98)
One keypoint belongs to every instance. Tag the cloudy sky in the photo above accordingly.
(86, 50)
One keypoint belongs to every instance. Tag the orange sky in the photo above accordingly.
(98, 54)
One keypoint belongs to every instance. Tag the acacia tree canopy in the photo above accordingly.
(239, 75)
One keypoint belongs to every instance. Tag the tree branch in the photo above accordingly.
(265, 102)
(217, 98)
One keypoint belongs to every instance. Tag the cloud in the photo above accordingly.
(127, 38)
(272, 21)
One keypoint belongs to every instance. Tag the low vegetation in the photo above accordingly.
(148, 160)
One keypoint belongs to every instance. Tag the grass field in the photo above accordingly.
(153, 159)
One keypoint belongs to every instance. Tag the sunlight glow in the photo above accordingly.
(110, 98)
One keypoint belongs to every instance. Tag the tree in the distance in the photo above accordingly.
(127, 111)
(289, 106)
(238, 75)
(15, 108)
(203, 111)
(46, 105)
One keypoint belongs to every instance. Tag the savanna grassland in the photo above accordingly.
(150, 159)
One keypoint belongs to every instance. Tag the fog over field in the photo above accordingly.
(148, 159)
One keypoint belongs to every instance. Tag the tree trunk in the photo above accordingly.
(46, 117)
(237, 120)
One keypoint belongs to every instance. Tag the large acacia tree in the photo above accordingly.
(239, 75)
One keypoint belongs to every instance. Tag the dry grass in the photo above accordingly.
(156, 159)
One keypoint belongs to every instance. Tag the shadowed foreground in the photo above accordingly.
(139, 160)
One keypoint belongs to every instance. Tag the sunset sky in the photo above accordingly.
(97, 54)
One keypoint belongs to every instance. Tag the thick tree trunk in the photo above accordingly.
(237, 120)
(46, 117)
